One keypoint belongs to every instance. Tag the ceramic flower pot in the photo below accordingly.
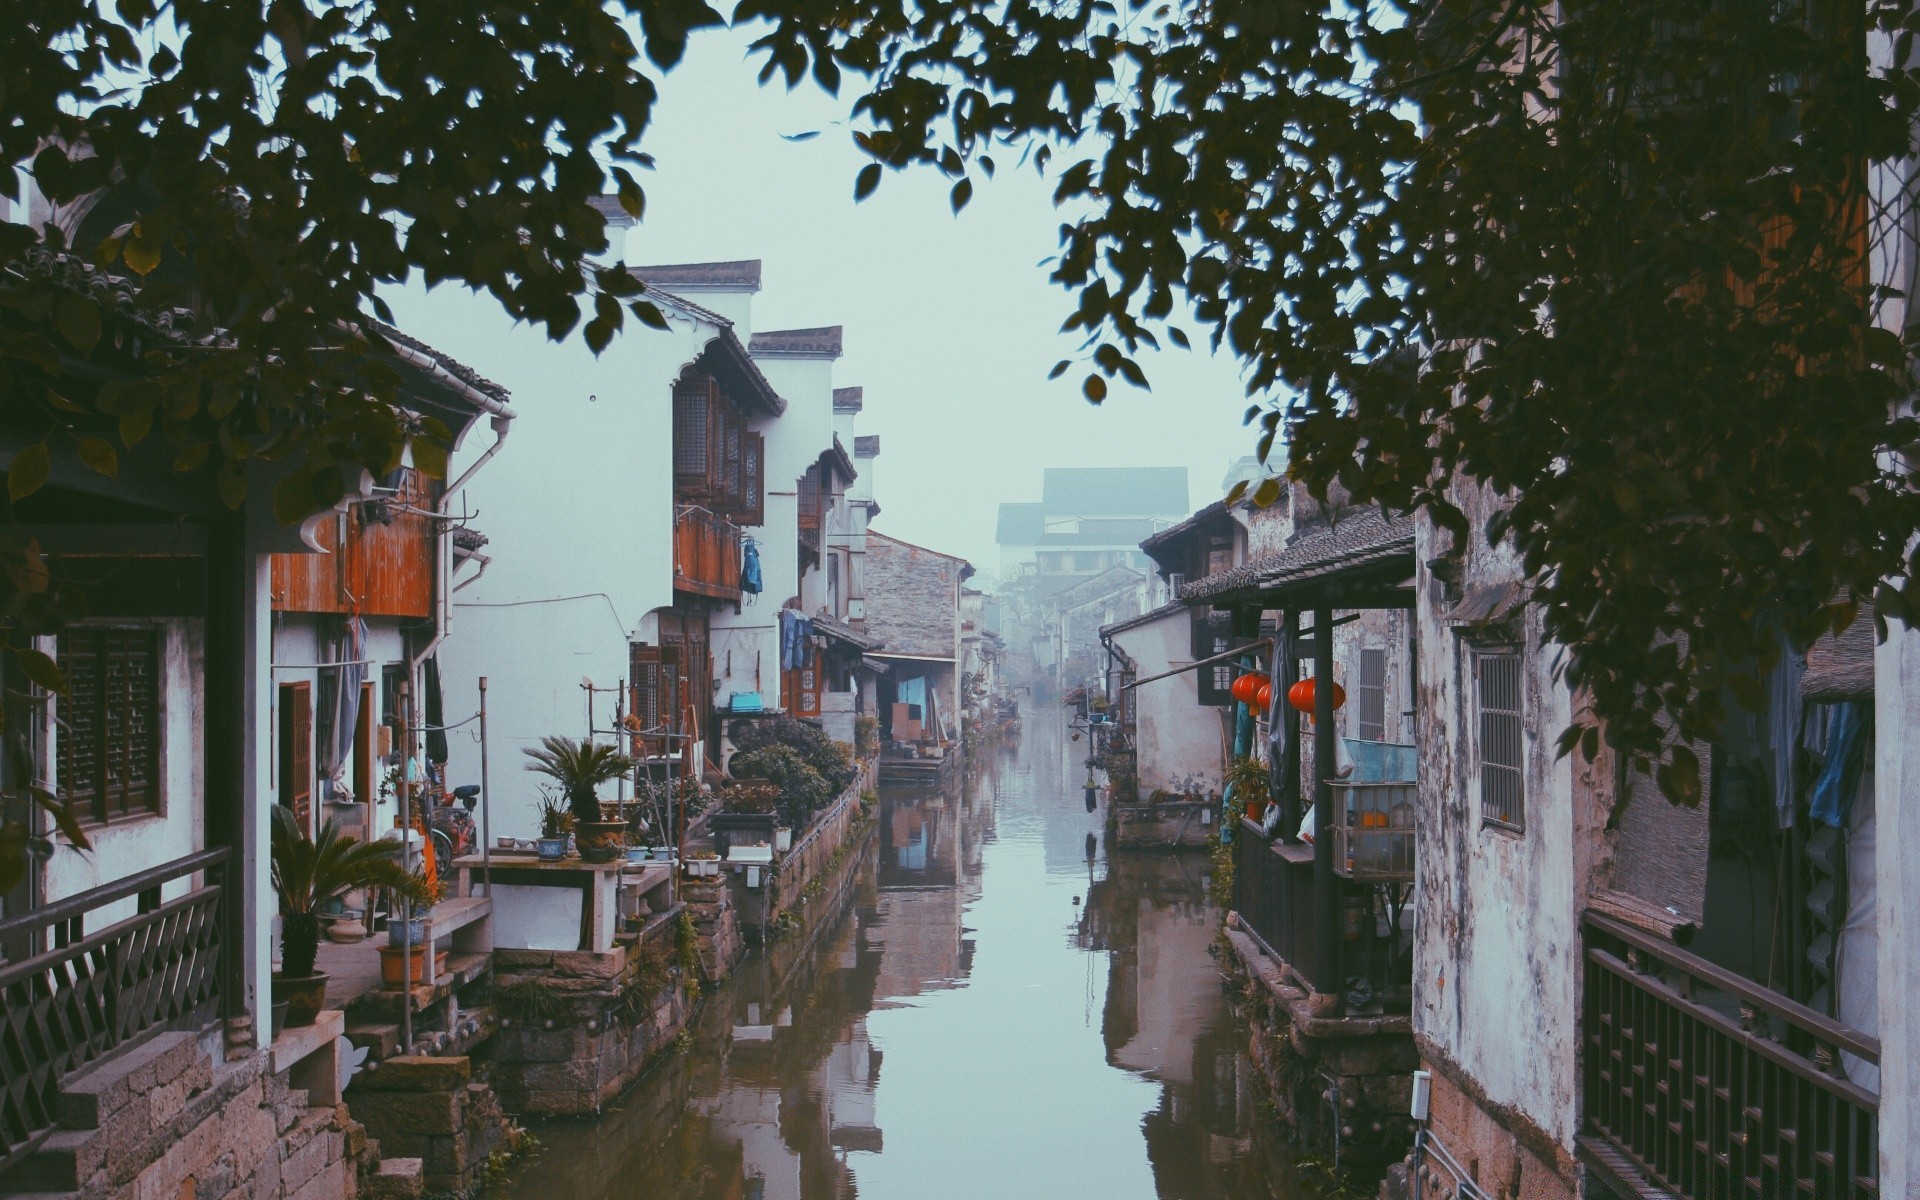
(600, 841)
(304, 996)
(552, 849)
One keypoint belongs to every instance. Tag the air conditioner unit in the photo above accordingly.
(1175, 581)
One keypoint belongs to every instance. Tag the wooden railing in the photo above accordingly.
(77, 996)
(706, 553)
(1273, 893)
(1713, 1086)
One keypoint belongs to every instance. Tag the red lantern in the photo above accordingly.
(1263, 695)
(1301, 697)
(1244, 687)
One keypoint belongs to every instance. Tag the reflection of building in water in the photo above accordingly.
(915, 924)
(1164, 1017)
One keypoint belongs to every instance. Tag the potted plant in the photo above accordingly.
(580, 767)
(308, 872)
(555, 823)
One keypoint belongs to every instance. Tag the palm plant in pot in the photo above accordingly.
(580, 767)
(307, 874)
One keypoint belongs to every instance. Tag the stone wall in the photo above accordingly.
(1327, 1076)
(173, 1120)
(434, 1110)
(716, 926)
(1168, 823)
(603, 1021)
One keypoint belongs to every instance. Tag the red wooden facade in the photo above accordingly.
(706, 553)
(382, 565)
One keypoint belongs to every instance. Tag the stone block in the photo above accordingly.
(94, 1095)
(587, 964)
(416, 1073)
(394, 1179)
(524, 1044)
(388, 1114)
(507, 961)
(332, 1183)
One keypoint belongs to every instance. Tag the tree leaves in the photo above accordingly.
(28, 472)
(866, 181)
(99, 456)
(78, 320)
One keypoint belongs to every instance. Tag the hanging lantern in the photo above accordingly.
(1263, 695)
(1301, 697)
(1245, 686)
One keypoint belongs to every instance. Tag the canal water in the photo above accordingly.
(987, 1003)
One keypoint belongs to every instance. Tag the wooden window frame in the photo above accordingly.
(294, 788)
(693, 417)
(94, 802)
(1499, 730)
(753, 472)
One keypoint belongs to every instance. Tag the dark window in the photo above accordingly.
(1370, 704)
(692, 406)
(109, 733)
(1497, 688)
(752, 501)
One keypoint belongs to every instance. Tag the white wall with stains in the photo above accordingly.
(1179, 744)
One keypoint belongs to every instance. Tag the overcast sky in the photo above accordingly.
(951, 326)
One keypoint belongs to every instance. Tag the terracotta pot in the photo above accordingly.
(393, 961)
(304, 996)
(600, 841)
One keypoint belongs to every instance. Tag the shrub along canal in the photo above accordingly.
(984, 1004)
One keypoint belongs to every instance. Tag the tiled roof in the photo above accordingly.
(468, 539)
(1356, 538)
(841, 462)
(1151, 615)
(849, 399)
(1115, 492)
(742, 275)
(1095, 587)
(823, 341)
(449, 364)
(1216, 509)
(846, 633)
(866, 445)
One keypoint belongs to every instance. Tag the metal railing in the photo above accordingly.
(1714, 1086)
(706, 553)
(76, 996)
(1273, 893)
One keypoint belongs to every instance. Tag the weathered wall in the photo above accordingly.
(578, 511)
(913, 597)
(434, 1110)
(1497, 941)
(1178, 743)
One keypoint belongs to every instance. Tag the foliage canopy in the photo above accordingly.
(1614, 260)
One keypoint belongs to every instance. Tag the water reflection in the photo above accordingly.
(990, 1006)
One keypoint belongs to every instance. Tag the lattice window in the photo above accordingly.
(1501, 745)
(753, 457)
(692, 434)
(109, 732)
(1370, 699)
(736, 434)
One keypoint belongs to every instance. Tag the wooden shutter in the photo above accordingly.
(736, 433)
(810, 499)
(645, 699)
(753, 458)
(692, 434)
(1370, 700)
(109, 736)
(296, 752)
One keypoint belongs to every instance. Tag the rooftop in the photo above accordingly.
(742, 275)
(866, 445)
(1357, 538)
(1115, 492)
(1217, 509)
(820, 342)
(849, 399)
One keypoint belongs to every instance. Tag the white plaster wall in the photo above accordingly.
(578, 510)
(1175, 737)
(1897, 875)
(131, 845)
(1497, 948)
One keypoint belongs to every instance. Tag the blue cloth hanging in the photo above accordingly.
(750, 568)
(1839, 778)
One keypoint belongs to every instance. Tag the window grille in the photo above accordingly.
(1370, 702)
(1497, 687)
(109, 732)
(752, 501)
(691, 406)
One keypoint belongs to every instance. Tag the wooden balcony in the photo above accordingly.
(1705, 1084)
(1273, 893)
(70, 996)
(706, 553)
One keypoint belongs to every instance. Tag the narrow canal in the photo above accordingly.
(989, 1005)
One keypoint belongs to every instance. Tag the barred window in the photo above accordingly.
(1497, 690)
(109, 722)
(1370, 702)
(690, 432)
